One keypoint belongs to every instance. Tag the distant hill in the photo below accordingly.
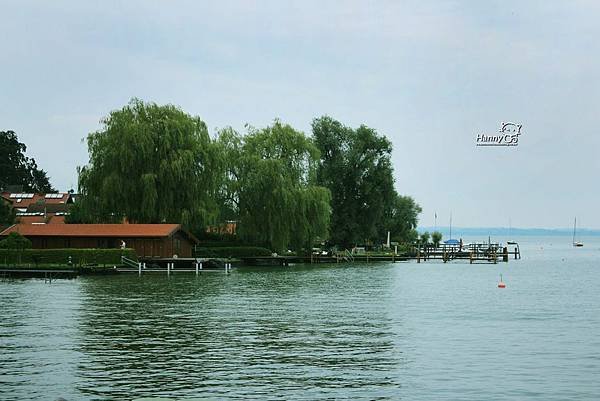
(457, 232)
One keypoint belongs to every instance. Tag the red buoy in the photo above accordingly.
(501, 283)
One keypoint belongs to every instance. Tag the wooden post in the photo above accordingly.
(418, 254)
(505, 254)
(196, 268)
(471, 257)
(168, 268)
(139, 268)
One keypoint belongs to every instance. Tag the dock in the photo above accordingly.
(484, 252)
(46, 274)
(172, 265)
(475, 253)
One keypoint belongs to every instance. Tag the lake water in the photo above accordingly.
(428, 331)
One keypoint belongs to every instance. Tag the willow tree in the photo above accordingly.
(150, 164)
(271, 187)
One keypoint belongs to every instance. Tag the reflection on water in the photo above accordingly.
(405, 330)
(236, 334)
(306, 333)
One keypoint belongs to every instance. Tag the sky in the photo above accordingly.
(430, 75)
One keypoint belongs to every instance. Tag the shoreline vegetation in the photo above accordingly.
(279, 188)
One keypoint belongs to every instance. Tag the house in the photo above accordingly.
(148, 240)
(33, 208)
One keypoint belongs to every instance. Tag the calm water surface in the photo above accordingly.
(428, 331)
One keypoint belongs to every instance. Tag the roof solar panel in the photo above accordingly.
(21, 196)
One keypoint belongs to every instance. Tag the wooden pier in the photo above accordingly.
(484, 252)
(172, 265)
(47, 274)
(474, 253)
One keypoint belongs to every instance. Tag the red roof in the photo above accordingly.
(32, 199)
(31, 219)
(57, 220)
(93, 230)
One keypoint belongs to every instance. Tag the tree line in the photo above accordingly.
(153, 163)
(18, 173)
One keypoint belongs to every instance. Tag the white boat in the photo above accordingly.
(576, 243)
(510, 234)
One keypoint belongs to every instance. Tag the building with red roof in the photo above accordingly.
(148, 240)
(33, 208)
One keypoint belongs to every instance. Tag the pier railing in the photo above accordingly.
(129, 262)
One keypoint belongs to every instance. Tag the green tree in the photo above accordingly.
(7, 213)
(16, 169)
(230, 149)
(150, 164)
(356, 167)
(16, 243)
(425, 238)
(270, 187)
(85, 211)
(401, 218)
(436, 238)
(412, 237)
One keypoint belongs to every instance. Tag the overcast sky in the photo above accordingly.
(429, 75)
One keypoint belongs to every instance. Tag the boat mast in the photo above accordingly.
(574, 228)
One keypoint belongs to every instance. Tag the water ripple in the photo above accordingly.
(427, 331)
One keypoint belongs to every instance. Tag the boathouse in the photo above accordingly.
(148, 240)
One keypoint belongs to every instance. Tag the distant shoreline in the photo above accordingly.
(513, 232)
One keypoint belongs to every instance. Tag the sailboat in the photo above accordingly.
(509, 242)
(576, 243)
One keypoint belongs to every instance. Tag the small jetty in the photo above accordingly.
(170, 265)
(483, 252)
(46, 274)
